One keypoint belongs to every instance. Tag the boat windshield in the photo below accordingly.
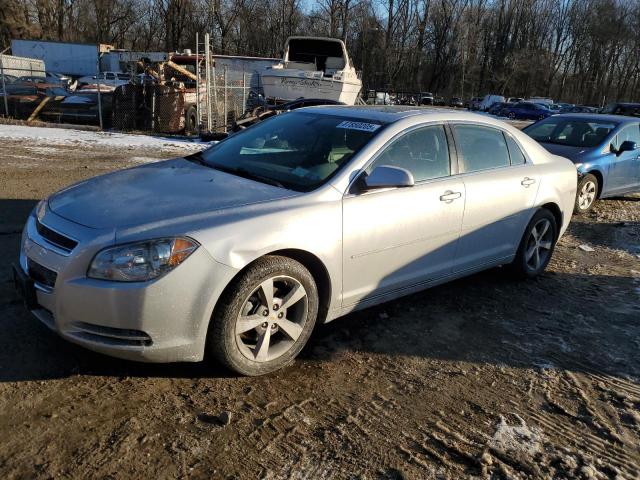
(322, 53)
(295, 150)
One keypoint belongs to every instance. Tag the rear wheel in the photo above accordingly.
(586, 194)
(536, 246)
(264, 320)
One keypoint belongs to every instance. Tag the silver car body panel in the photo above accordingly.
(374, 246)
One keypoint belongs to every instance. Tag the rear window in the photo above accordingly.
(481, 148)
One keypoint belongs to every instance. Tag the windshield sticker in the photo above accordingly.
(365, 127)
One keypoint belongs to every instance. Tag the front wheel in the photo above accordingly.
(536, 246)
(265, 318)
(586, 194)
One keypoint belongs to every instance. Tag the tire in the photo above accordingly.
(586, 194)
(191, 121)
(512, 115)
(243, 306)
(529, 263)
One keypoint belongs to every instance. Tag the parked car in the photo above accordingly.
(40, 83)
(112, 79)
(544, 100)
(526, 111)
(58, 78)
(563, 106)
(265, 111)
(439, 101)
(603, 147)
(426, 98)
(579, 109)
(489, 100)
(238, 251)
(474, 103)
(80, 108)
(629, 109)
(7, 79)
(456, 102)
(497, 108)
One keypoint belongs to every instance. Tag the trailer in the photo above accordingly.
(21, 66)
(77, 59)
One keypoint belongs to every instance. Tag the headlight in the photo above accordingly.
(40, 209)
(139, 262)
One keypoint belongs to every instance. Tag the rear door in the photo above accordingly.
(501, 187)
(624, 169)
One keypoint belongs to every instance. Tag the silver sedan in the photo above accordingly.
(240, 250)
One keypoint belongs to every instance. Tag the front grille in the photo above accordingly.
(56, 239)
(122, 337)
(41, 274)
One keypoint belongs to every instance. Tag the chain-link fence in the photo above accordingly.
(137, 104)
(227, 95)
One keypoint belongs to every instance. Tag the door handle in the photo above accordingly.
(449, 196)
(526, 181)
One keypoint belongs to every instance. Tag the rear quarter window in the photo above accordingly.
(515, 153)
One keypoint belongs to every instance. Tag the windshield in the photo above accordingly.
(571, 132)
(296, 150)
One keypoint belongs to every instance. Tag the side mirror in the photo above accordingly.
(386, 176)
(627, 146)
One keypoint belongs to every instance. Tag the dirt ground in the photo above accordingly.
(483, 378)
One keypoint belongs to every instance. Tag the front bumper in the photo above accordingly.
(164, 320)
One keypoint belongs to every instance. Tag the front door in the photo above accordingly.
(624, 169)
(402, 237)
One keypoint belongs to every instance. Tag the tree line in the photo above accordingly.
(582, 51)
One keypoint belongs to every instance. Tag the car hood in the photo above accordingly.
(572, 153)
(156, 192)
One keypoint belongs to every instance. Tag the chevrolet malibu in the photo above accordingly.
(238, 251)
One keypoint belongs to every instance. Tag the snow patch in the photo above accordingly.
(143, 160)
(60, 136)
(516, 438)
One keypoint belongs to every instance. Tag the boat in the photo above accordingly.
(312, 67)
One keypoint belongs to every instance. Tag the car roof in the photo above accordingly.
(388, 113)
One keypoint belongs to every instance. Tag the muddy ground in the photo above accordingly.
(483, 378)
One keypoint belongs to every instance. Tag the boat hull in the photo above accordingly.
(285, 87)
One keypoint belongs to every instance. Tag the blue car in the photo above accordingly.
(605, 149)
(526, 111)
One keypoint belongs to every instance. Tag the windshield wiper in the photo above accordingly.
(244, 173)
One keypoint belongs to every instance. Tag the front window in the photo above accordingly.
(296, 150)
(423, 152)
(630, 133)
(571, 132)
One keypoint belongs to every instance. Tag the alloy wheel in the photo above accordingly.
(587, 195)
(539, 244)
(271, 319)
